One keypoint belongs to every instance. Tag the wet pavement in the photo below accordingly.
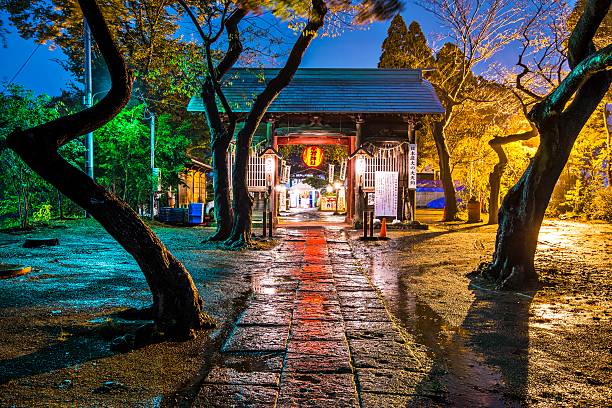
(316, 333)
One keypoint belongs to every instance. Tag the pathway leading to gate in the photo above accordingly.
(316, 333)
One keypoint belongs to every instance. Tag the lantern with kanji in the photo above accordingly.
(312, 156)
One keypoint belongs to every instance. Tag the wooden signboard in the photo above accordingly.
(385, 193)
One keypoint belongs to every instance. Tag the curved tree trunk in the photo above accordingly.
(521, 215)
(559, 122)
(446, 176)
(242, 202)
(177, 305)
(496, 175)
(495, 186)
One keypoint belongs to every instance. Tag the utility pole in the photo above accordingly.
(153, 172)
(88, 100)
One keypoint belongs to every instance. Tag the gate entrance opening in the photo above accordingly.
(317, 181)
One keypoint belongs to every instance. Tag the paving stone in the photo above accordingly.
(365, 314)
(373, 331)
(382, 354)
(320, 348)
(318, 313)
(225, 375)
(357, 294)
(317, 287)
(224, 395)
(271, 313)
(302, 330)
(361, 304)
(304, 363)
(264, 362)
(322, 390)
(257, 338)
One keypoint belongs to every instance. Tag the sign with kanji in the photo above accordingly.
(412, 167)
(385, 193)
(312, 156)
(343, 170)
(285, 174)
(330, 174)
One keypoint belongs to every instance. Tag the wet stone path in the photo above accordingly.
(316, 333)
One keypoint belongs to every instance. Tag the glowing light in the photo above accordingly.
(312, 156)
(337, 185)
(329, 189)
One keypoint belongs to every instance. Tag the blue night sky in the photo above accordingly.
(360, 48)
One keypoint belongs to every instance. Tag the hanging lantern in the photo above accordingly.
(312, 156)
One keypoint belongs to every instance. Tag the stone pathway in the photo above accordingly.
(316, 334)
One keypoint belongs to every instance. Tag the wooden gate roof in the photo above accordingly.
(333, 90)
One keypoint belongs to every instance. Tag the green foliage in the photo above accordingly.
(405, 48)
(22, 192)
(43, 214)
(123, 154)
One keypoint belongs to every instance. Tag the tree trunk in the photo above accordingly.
(559, 122)
(521, 215)
(495, 186)
(446, 176)
(221, 188)
(496, 175)
(177, 305)
(242, 202)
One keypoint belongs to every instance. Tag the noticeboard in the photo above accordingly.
(385, 193)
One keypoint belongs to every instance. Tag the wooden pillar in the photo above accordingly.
(272, 140)
(350, 193)
(358, 196)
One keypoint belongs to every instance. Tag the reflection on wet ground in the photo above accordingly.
(460, 372)
(309, 217)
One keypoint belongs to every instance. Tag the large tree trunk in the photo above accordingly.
(521, 215)
(221, 188)
(446, 176)
(559, 122)
(242, 202)
(177, 305)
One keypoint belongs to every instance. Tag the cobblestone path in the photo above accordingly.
(315, 333)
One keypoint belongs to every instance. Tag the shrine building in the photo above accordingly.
(372, 113)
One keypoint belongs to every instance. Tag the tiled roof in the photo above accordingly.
(333, 90)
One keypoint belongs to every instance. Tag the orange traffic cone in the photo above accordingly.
(383, 229)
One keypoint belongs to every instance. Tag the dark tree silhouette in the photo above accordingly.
(559, 118)
(177, 307)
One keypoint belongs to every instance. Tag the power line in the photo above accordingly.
(22, 66)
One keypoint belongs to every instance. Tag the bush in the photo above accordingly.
(601, 206)
(43, 215)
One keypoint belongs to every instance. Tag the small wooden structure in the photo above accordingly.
(192, 186)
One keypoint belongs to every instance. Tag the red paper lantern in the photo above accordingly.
(312, 156)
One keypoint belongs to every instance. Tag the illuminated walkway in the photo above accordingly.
(315, 333)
